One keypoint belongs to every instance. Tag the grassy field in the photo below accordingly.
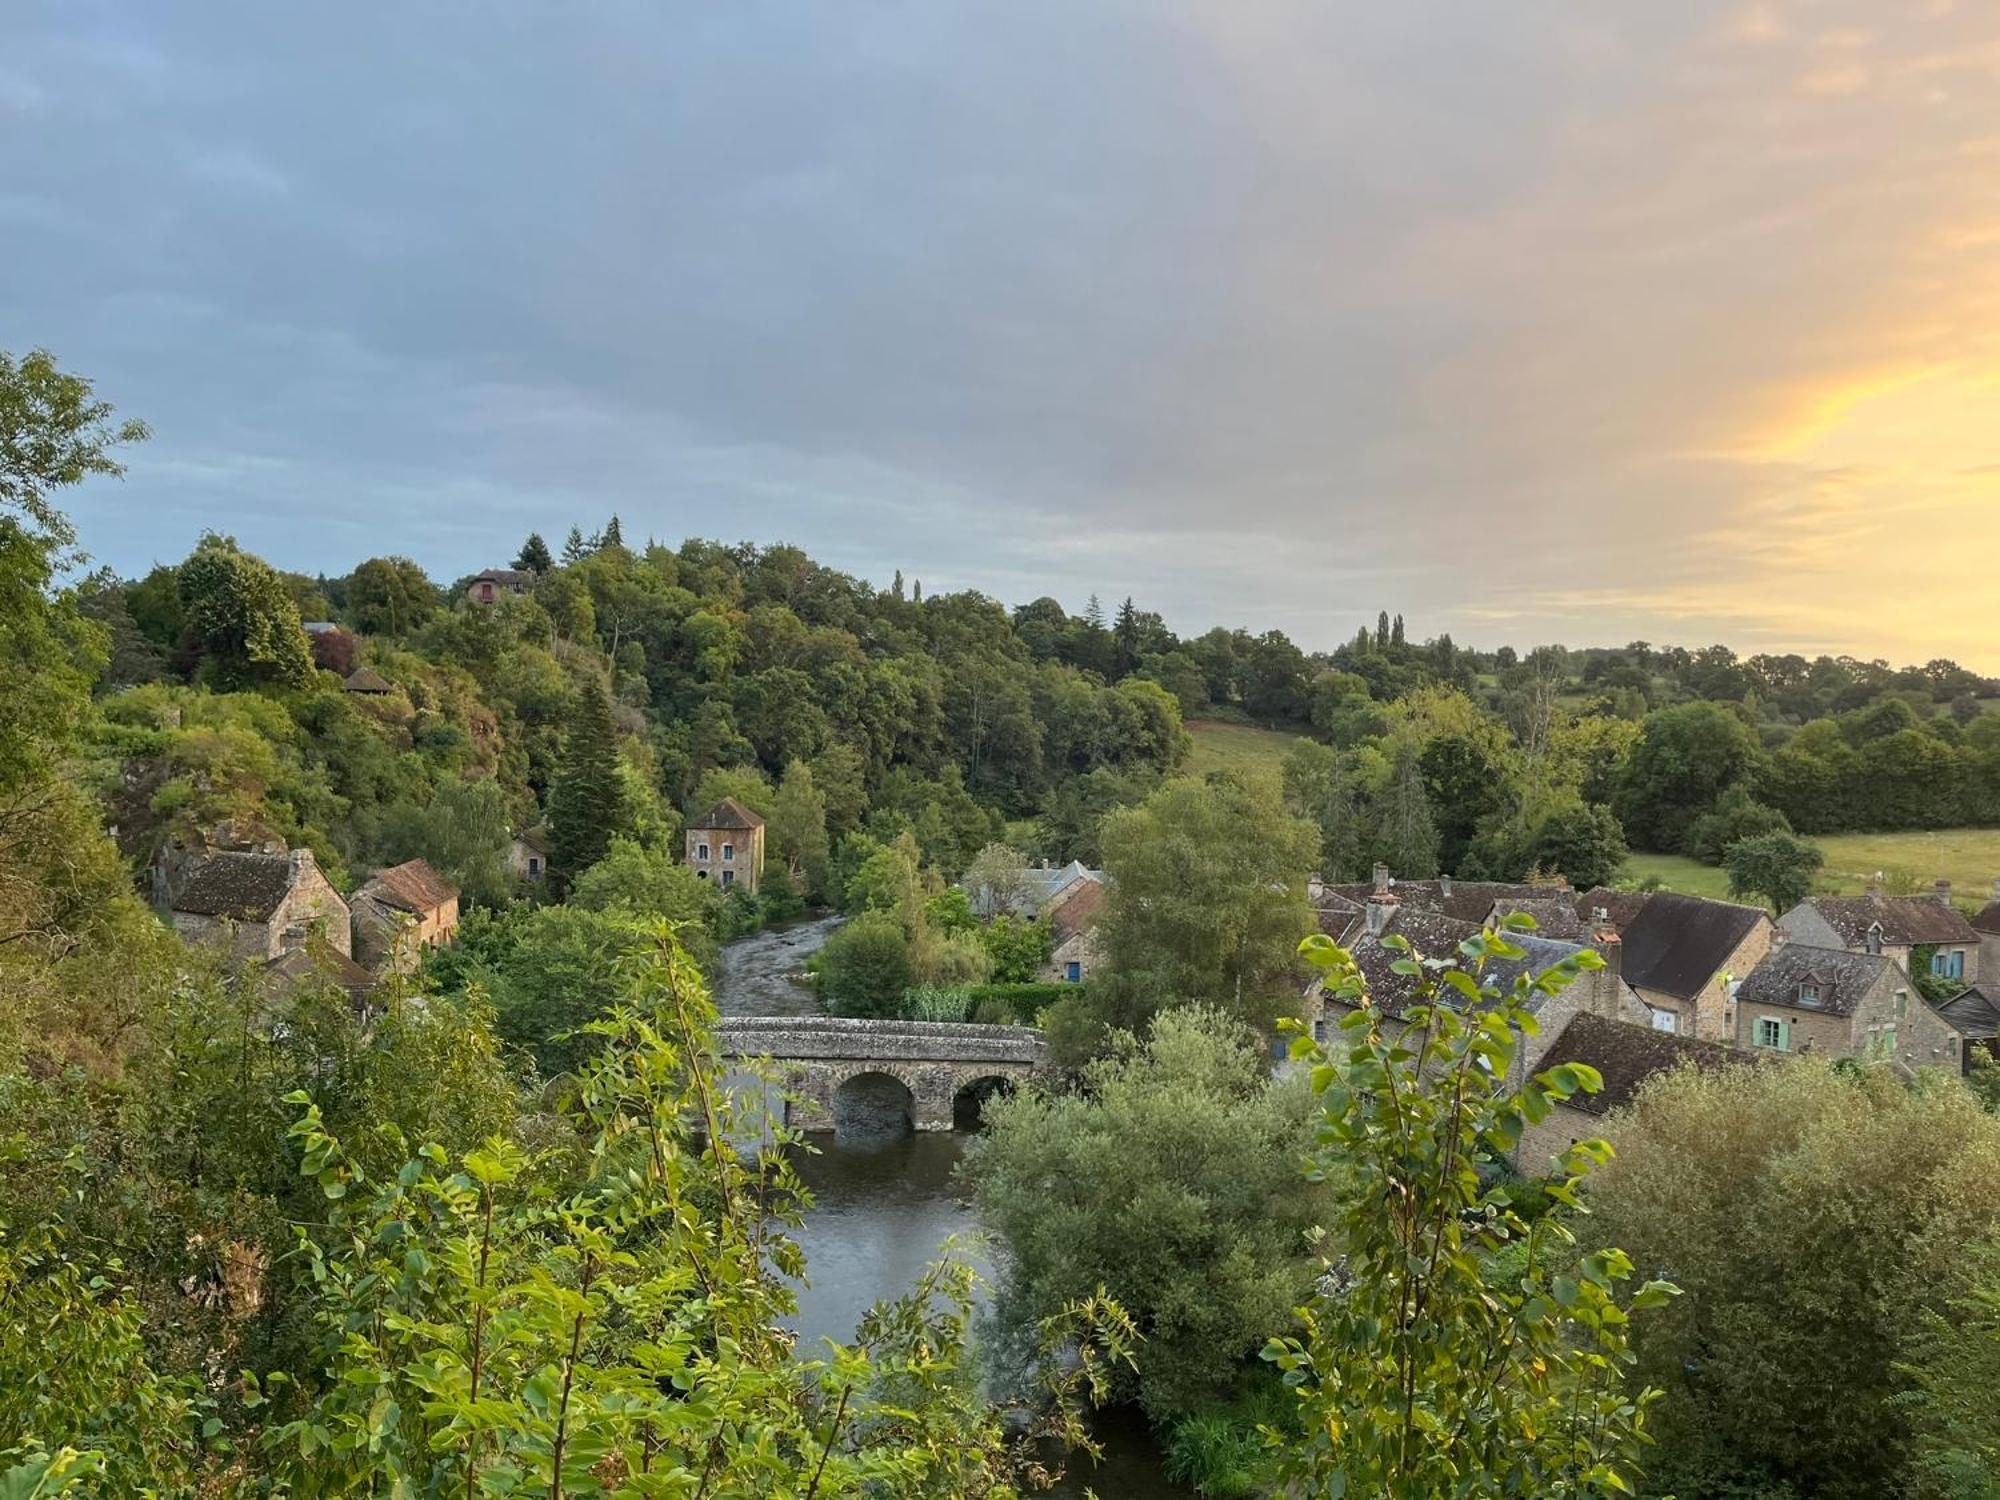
(1968, 857)
(1219, 746)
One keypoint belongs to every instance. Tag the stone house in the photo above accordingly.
(1474, 901)
(487, 587)
(726, 845)
(398, 913)
(259, 905)
(1987, 925)
(1975, 1015)
(528, 854)
(1838, 1003)
(1431, 934)
(1072, 920)
(1684, 955)
(1891, 926)
(312, 967)
(1626, 1058)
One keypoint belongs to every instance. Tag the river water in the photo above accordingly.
(883, 1206)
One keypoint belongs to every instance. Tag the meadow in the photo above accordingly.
(1968, 857)
(1221, 745)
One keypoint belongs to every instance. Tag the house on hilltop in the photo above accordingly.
(487, 587)
(1839, 1003)
(259, 905)
(1684, 955)
(1891, 926)
(726, 845)
(398, 913)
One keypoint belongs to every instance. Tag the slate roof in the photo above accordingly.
(362, 680)
(1676, 944)
(1972, 1013)
(1433, 935)
(1842, 977)
(1468, 900)
(536, 838)
(1627, 1056)
(1554, 916)
(728, 813)
(412, 886)
(1080, 903)
(512, 577)
(1988, 919)
(1619, 907)
(1903, 919)
(297, 966)
(241, 887)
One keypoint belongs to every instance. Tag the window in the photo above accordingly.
(1808, 994)
(1666, 1020)
(729, 877)
(1948, 964)
(728, 851)
(701, 851)
(1887, 1041)
(534, 867)
(1073, 971)
(1773, 1033)
(1902, 1002)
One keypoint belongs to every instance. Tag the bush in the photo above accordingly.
(1215, 1454)
(932, 1002)
(1737, 816)
(865, 967)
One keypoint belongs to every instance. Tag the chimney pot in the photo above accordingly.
(1444, 886)
(1944, 892)
(1381, 879)
(1381, 908)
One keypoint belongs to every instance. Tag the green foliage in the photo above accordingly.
(1203, 1243)
(587, 803)
(797, 834)
(1951, 1358)
(865, 966)
(1583, 843)
(54, 433)
(389, 596)
(1774, 867)
(1866, 1191)
(1407, 834)
(1018, 946)
(1417, 1373)
(1686, 758)
(242, 618)
(463, 830)
(1737, 815)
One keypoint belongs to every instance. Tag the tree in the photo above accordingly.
(242, 618)
(644, 882)
(390, 596)
(1418, 1365)
(997, 879)
(54, 433)
(1774, 867)
(1405, 831)
(747, 784)
(1686, 758)
(1018, 947)
(575, 548)
(586, 805)
(1125, 636)
(797, 831)
(865, 966)
(613, 534)
(1207, 898)
(1204, 1243)
(534, 556)
(1867, 1190)
(463, 830)
(1737, 815)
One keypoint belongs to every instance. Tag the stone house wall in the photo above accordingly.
(1923, 1038)
(745, 867)
(1710, 1014)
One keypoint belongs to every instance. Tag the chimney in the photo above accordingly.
(1875, 939)
(1609, 980)
(1381, 880)
(1875, 884)
(1779, 937)
(1943, 889)
(302, 863)
(1444, 886)
(1381, 910)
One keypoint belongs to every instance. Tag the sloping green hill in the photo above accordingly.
(1221, 746)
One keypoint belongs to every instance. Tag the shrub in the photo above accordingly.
(865, 967)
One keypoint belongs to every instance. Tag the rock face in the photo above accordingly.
(823, 1062)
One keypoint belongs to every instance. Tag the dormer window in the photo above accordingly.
(1808, 994)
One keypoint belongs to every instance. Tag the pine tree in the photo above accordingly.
(534, 556)
(575, 549)
(1093, 614)
(586, 803)
(1396, 632)
(1407, 832)
(1126, 634)
(613, 534)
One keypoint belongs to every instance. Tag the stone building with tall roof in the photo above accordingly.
(259, 905)
(399, 912)
(726, 845)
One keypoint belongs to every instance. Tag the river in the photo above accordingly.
(883, 1206)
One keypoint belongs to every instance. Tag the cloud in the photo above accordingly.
(1576, 323)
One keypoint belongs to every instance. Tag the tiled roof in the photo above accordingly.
(1903, 919)
(536, 838)
(728, 813)
(1841, 978)
(1554, 916)
(1619, 907)
(241, 887)
(362, 680)
(412, 886)
(1627, 1056)
(1434, 935)
(1988, 919)
(1677, 944)
(1971, 1013)
(1077, 908)
(297, 966)
(1463, 900)
(508, 576)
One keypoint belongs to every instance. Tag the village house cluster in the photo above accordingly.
(1690, 980)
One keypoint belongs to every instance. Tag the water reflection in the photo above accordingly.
(883, 1205)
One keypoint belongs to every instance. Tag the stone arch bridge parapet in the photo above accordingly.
(934, 1060)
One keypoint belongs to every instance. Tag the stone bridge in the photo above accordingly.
(933, 1073)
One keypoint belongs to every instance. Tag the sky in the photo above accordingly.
(1531, 322)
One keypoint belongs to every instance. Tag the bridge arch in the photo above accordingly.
(968, 1104)
(873, 1102)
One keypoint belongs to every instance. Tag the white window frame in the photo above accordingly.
(1777, 1033)
(1665, 1020)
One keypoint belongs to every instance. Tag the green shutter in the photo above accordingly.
(1784, 1036)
